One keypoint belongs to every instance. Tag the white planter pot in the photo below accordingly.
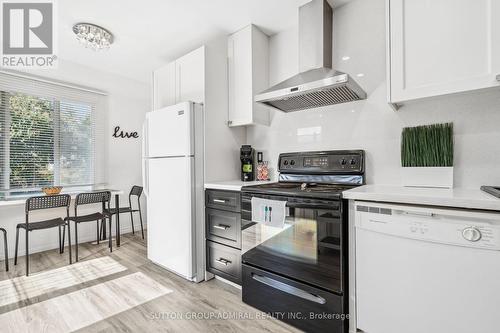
(441, 177)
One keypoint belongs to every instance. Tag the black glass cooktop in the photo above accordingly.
(315, 190)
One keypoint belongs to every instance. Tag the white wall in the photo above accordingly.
(128, 101)
(222, 143)
(359, 32)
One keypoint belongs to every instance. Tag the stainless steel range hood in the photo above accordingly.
(317, 84)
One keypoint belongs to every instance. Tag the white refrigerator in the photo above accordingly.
(173, 171)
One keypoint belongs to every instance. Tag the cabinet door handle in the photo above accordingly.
(223, 261)
(219, 201)
(221, 226)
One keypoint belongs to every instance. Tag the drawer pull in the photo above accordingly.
(288, 289)
(223, 261)
(221, 227)
(219, 201)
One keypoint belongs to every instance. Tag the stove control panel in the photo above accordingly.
(345, 161)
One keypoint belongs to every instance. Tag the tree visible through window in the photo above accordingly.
(76, 143)
(31, 142)
(44, 142)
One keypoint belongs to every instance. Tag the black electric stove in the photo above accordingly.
(315, 174)
(302, 268)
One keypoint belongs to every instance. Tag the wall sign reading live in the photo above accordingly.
(119, 133)
(28, 34)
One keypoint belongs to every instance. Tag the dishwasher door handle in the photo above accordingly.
(288, 289)
(418, 214)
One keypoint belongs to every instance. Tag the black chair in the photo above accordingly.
(87, 199)
(137, 192)
(45, 202)
(6, 253)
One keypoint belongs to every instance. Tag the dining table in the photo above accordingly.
(115, 193)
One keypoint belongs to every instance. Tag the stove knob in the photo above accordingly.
(471, 234)
(286, 162)
(353, 161)
(343, 161)
(292, 162)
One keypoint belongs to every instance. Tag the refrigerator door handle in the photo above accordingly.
(145, 176)
(145, 171)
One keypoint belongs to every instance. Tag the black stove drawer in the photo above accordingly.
(300, 305)
(226, 200)
(224, 261)
(223, 227)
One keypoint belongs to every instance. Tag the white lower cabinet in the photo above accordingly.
(441, 47)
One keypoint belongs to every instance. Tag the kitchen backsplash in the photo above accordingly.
(371, 124)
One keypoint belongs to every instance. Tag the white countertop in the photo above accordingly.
(232, 185)
(457, 197)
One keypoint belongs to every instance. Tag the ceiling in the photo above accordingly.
(150, 33)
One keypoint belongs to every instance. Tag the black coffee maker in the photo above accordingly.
(247, 157)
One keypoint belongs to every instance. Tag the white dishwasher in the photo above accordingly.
(426, 270)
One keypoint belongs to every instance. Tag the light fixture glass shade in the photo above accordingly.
(93, 36)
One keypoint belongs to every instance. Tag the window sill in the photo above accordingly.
(21, 200)
(17, 202)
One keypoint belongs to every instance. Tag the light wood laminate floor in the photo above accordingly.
(168, 303)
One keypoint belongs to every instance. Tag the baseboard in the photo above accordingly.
(237, 286)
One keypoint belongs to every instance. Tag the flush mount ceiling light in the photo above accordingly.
(93, 36)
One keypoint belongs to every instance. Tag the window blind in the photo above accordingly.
(50, 134)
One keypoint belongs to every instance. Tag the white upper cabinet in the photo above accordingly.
(438, 47)
(248, 74)
(190, 75)
(180, 81)
(164, 84)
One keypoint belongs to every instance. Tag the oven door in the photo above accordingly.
(309, 248)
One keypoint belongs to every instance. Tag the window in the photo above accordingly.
(48, 136)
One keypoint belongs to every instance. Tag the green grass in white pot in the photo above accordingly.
(427, 146)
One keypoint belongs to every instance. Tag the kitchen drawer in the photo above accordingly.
(223, 227)
(224, 261)
(226, 200)
(319, 311)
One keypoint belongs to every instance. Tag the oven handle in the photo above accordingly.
(288, 289)
(311, 205)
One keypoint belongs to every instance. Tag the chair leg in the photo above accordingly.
(27, 254)
(110, 238)
(132, 221)
(69, 244)
(142, 227)
(98, 232)
(63, 238)
(60, 246)
(103, 227)
(117, 231)
(17, 243)
(6, 250)
(76, 241)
